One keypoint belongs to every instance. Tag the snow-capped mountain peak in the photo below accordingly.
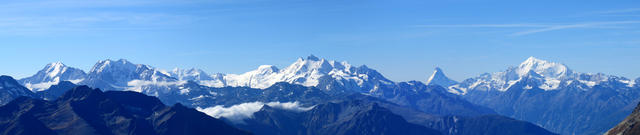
(438, 78)
(55, 68)
(121, 64)
(310, 64)
(309, 71)
(189, 74)
(541, 74)
(542, 67)
(51, 74)
(266, 69)
(117, 75)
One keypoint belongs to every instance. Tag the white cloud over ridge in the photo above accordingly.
(237, 113)
(138, 85)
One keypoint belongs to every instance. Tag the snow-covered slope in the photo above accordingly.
(438, 78)
(190, 74)
(51, 74)
(551, 76)
(553, 96)
(122, 75)
(312, 71)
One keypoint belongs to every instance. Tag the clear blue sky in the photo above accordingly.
(404, 40)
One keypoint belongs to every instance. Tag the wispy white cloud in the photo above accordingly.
(538, 27)
(54, 16)
(86, 4)
(618, 11)
(139, 85)
(237, 113)
(517, 25)
(114, 21)
(572, 26)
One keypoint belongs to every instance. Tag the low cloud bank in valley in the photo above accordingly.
(237, 113)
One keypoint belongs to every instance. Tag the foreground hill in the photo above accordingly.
(358, 114)
(11, 89)
(83, 110)
(343, 118)
(629, 126)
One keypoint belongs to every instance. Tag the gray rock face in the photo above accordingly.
(629, 126)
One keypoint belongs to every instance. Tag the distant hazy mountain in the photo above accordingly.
(195, 95)
(554, 96)
(11, 89)
(83, 110)
(51, 74)
(431, 99)
(629, 126)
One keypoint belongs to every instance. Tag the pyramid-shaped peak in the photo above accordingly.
(439, 78)
(437, 72)
(54, 68)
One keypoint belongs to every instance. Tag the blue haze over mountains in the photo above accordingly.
(535, 97)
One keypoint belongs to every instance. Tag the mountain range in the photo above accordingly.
(553, 96)
(195, 88)
(83, 110)
(545, 93)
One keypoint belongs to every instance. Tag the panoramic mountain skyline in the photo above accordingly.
(312, 68)
(193, 73)
(317, 67)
